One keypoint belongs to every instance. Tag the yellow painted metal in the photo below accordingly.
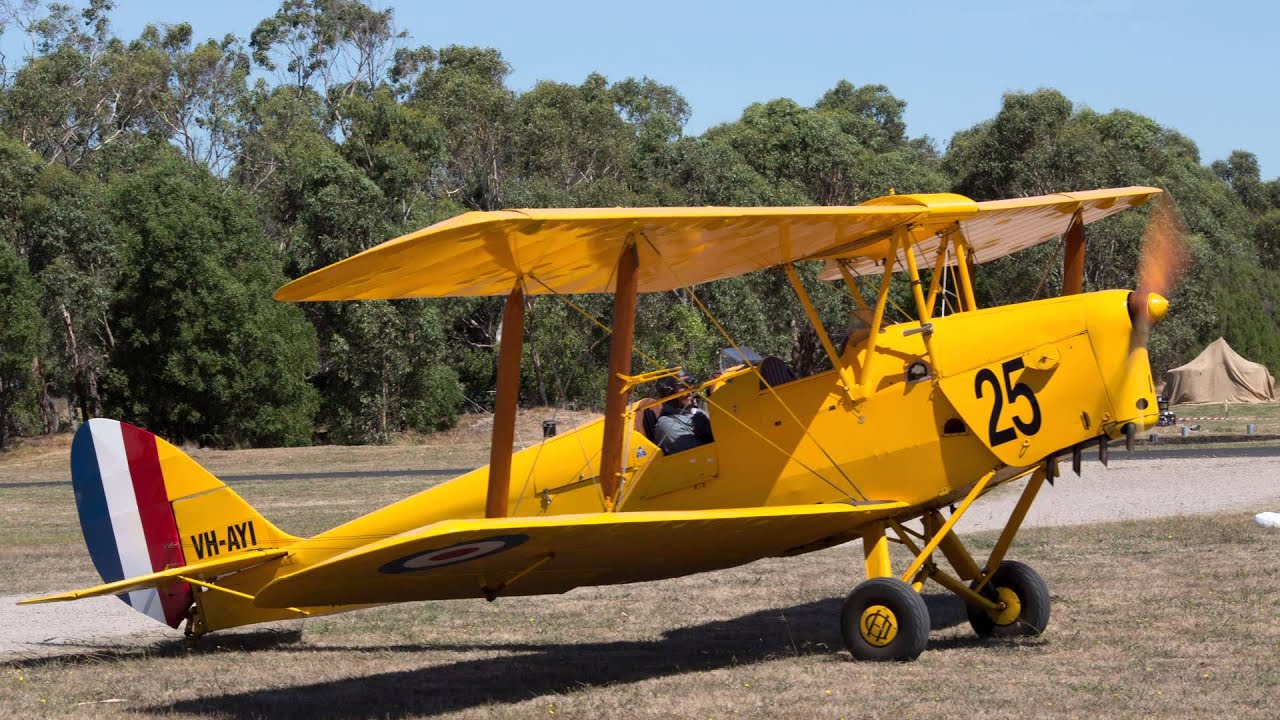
(878, 625)
(594, 549)
(963, 591)
(875, 551)
(1157, 307)
(671, 477)
(1023, 413)
(877, 319)
(913, 277)
(234, 593)
(956, 553)
(213, 567)
(1010, 607)
(939, 267)
(762, 457)
(932, 545)
(965, 277)
(846, 373)
(1045, 357)
(1011, 526)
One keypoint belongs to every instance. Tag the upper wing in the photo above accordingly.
(995, 228)
(569, 251)
(545, 555)
(577, 250)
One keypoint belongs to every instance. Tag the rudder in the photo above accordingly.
(146, 506)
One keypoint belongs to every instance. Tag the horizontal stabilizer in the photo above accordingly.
(200, 570)
(554, 554)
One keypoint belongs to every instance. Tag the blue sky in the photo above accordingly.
(1208, 69)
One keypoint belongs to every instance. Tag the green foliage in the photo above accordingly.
(203, 353)
(19, 345)
(1248, 300)
(383, 371)
(1039, 143)
(153, 197)
(1266, 236)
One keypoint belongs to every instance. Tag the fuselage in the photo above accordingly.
(969, 394)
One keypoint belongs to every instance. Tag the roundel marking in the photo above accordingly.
(453, 554)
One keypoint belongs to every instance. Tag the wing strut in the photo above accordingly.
(504, 406)
(1073, 258)
(964, 271)
(617, 392)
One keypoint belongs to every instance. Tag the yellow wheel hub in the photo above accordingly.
(1012, 607)
(879, 626)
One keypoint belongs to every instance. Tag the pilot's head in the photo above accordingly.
(674, 384)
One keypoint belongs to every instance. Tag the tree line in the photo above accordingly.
(154, 191)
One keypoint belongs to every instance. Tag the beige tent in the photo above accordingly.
(1219, 375)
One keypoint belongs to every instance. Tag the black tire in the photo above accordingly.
(899, 634)
(1031, 593)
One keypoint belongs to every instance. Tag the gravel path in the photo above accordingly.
(1129, 489)
(1134, 489)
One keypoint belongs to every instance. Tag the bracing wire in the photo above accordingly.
(658, 364)
(778, 398)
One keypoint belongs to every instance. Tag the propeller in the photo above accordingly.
(1165, 257)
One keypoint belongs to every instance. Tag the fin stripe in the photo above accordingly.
(91, 502)
(122, 508)
(159, 528)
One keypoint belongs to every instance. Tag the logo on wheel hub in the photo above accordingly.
(879, 625)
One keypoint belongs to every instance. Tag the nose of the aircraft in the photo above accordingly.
(1147, 308)
(1157, 307)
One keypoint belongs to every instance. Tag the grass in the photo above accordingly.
(1264, 416)
(1175, 618)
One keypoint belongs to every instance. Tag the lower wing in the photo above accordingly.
(548, 555)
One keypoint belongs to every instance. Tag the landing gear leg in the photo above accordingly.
(1004, 598)
(884, 618)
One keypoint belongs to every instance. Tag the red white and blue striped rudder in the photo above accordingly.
(126, 514)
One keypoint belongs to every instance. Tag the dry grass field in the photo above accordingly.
(1175, 617)
(1234, 418)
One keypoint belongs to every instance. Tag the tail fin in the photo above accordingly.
(145, 506)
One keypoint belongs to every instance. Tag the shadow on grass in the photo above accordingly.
(529, 670)
(98, 654)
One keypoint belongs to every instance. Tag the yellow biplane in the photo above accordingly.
(913, 418)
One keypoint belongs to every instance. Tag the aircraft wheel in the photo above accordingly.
(1026, 598)
(884, 619)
